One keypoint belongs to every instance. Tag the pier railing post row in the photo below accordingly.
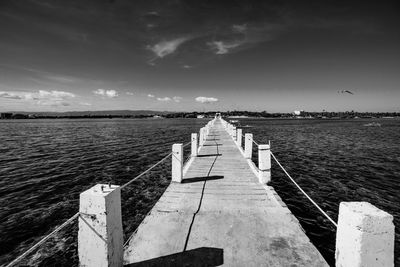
(264, 163)
(239, 137)
(177, 163)
(100, 236)
(194, 145)
(248, 145)
(234, 133)
(364, 237)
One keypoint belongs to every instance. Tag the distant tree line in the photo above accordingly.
(211, 114)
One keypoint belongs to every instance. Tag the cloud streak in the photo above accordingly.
(165, 48)
(106, 93)
(221, 47)
(164, 99)
(206, 100)
(177, 99)
(41, 97)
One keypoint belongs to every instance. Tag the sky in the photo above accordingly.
(174, 55)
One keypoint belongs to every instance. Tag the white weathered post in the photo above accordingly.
(248, 145)
(234, 133)
(201, 136)
(239, 137)
(100, 236)
(364, 237)
(177, 163)
(194, 145)
(205, 133)
(264, 163)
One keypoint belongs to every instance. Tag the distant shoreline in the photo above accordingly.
(143, 114)
(153, 118)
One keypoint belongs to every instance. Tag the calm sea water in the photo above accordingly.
(334, 161)
(45, 164)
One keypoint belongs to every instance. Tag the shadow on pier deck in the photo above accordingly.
(220, 215)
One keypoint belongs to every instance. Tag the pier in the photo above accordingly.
(220, 210)
(221, 214)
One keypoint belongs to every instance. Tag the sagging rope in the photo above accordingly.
(309, 198)
(19, 258)
(255, 142)
(44, 239)
(149, 169)
(146, 171)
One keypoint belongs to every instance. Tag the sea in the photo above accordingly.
(45, 165)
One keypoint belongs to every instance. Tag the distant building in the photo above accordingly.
(297, 112)
(6, 115)
(201, 116)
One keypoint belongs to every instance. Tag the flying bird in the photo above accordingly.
(346, 91)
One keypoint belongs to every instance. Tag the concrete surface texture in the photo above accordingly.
(220, 215)
(365, 236)
(100, 239)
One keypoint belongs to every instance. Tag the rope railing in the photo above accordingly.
(76, 215)
(146, 171)
(309, 198)
(188, 143)
(44, 239)
(290, 177)
(149, 169)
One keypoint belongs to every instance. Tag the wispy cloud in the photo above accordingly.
(164, 99)
(10, 95)
(165, 48)
(129, 93)
(106, 93)
(177, 99)
(221, 47)
(204, 99)
(239, 28)
(150, 95)
(41, 97)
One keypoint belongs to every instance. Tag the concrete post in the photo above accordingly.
(239, 137)
(177, 163)
(264, 163)
(201, 136)
(234, 133)
(100, 236)
(204, 134)
(248, 145)
(364, 237)
(194, 145)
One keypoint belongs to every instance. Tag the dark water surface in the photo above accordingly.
(46, 164)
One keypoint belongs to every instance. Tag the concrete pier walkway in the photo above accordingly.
(220, 215)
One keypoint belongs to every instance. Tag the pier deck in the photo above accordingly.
(220, 215)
